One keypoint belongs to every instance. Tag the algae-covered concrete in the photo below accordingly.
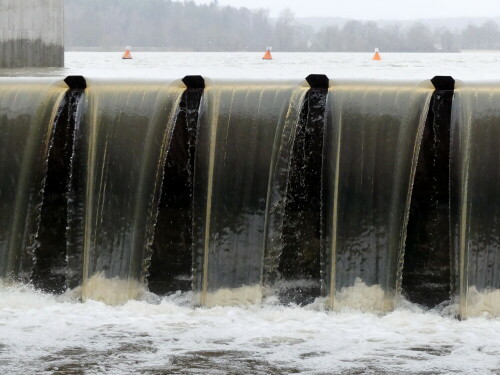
(31, 33)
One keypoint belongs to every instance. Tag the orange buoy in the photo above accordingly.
(377, 55)
(127, 55)
(267, 55)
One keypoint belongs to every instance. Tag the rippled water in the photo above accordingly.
(249, 65)
(44, 334)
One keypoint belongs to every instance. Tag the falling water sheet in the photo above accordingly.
(28, 108)
(475, 209)
(371, 147)
(119, 153)
(241, 125)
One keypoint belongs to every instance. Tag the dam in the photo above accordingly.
(355, 192)
(31, 33)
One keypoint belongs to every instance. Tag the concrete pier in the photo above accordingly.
(31, 33)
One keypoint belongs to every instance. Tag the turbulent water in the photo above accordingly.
(44, 334)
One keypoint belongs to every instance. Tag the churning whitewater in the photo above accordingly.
(47, 334)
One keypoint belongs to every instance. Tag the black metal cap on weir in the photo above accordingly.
(194, 82)
(443, 83)
(76, 82)
(318, 81)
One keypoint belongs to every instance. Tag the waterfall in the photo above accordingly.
(427, 258)
(242, 190)
(293, 231)
(51, 265)
(372, 142)
(475, 201)
(172, 259)
(240, 126)
(119, 153)
(28, 108)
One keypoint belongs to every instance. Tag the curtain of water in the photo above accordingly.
(475, 186)
(239, 127)
(119, 154)
(371, 147)
(51, 266)
(426, 273)
(28, 108)
(294, 225)
(172, 259)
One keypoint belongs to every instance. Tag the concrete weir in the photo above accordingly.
(31, 33)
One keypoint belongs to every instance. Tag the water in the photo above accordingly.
(372, 143)
(28, 109)
(174, 65)
(43, 334)
(120, 149)
(48, 334)
(475, 183)
(236, 154)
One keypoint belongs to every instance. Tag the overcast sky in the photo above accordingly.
(375, 9)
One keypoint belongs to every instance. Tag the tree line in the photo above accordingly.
(187, 26)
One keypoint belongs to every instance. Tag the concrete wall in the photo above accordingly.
(31, 33)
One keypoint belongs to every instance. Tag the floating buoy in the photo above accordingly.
(267, 55)
(127, 55)
(377, 55)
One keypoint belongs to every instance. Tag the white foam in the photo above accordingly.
(364, 298)
(114, 291)
(13, 296)
(243, 296)
(482, 303)
(40, 333)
